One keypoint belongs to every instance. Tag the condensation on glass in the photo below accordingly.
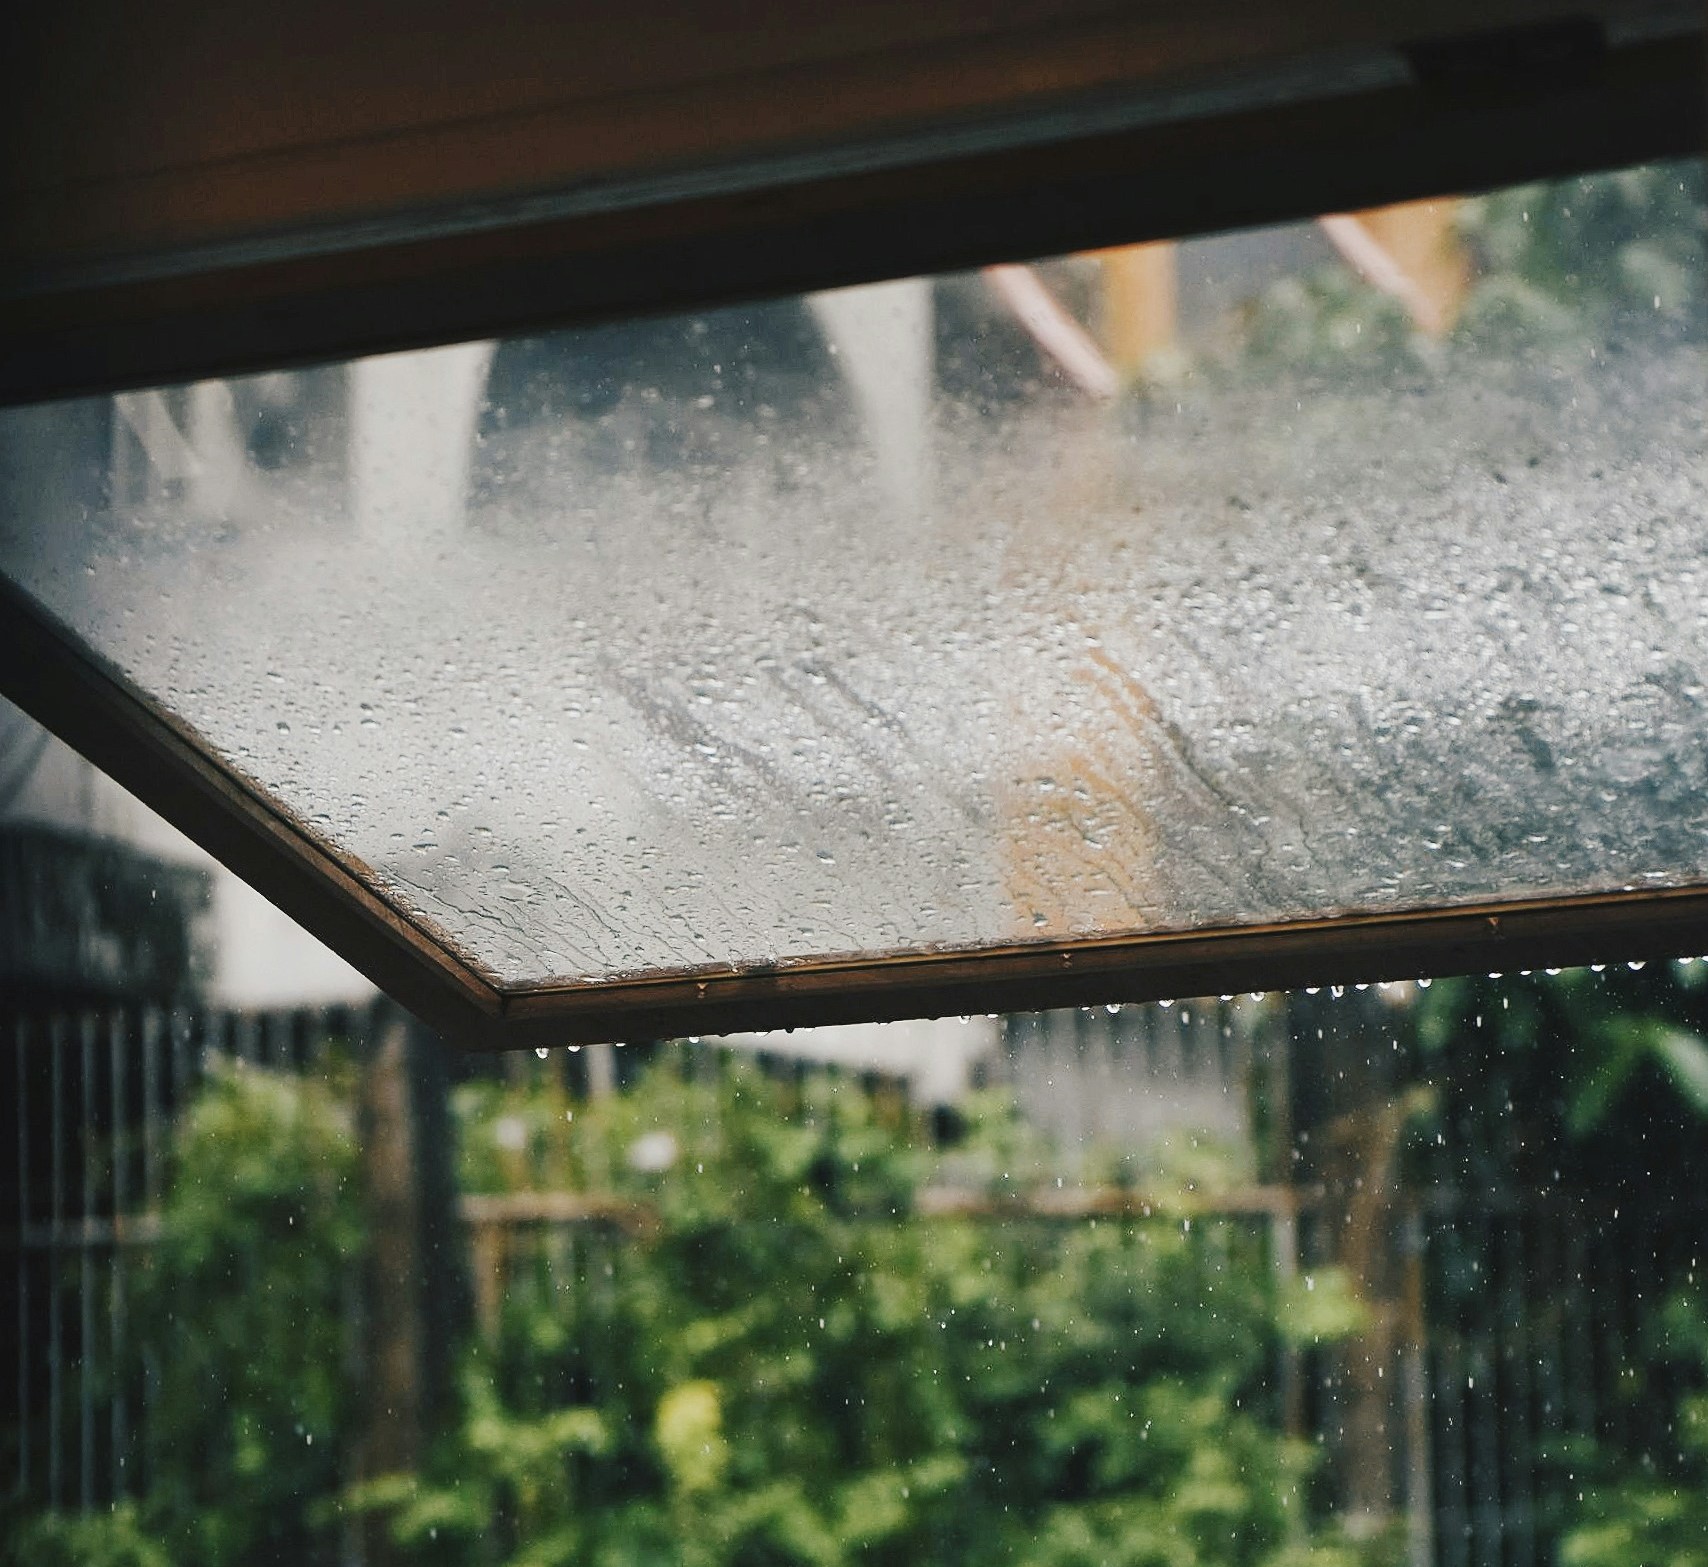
(1115, 594)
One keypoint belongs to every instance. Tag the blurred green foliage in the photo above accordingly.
(774, 1350)
(772, 1356)
(241, 1313)
(787, 1362)
(1559, 262)
(1326, 319)
(113, 1539)
(1567, 256)
(1654, 1513)
(1611, 1063)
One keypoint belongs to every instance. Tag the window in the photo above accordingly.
(1114, 626)
(1180, 657)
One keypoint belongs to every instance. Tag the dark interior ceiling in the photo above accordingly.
(195, 189)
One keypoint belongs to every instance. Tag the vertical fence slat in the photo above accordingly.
(1581, 1378)
(1551, 1277)
(156, 1026)
(151, 1024)
(178, 1051)
(1607, 1298)
(1522, 1400)
(1453, 1506)
(20, 1036)
(118, 1040)
(55, 1294)
(244, 1042)
(1482, 1415)
(213, 1045)
(1417, 1396)
(1284, 1260)
(86, 1279)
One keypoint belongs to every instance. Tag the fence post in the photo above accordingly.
(410, 1318)
(390, 1430)
(1348, 1098)
(443, 1280)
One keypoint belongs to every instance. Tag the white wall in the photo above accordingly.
(262, 957)
(936, 1056)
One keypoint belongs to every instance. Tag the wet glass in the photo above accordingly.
(1343, 568)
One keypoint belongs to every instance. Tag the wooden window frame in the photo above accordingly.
(1296, 134)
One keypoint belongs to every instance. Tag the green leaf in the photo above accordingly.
(1320, 1306)
(1685, 1057)
(1594, 1096)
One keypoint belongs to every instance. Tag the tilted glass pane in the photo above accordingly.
(1348, 567)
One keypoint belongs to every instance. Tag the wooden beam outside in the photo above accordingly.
(1140, 306)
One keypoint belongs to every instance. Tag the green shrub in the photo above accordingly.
(1654, 1512)
(788, 1363)
(242, 1308)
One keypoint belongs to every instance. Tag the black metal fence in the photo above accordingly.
(89, 1114)
(1503, 1323)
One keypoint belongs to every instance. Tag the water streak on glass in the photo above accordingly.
(868, 623)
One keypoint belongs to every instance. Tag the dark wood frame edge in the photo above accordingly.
(1504, 936)
(1641, 100)
(48, 672)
